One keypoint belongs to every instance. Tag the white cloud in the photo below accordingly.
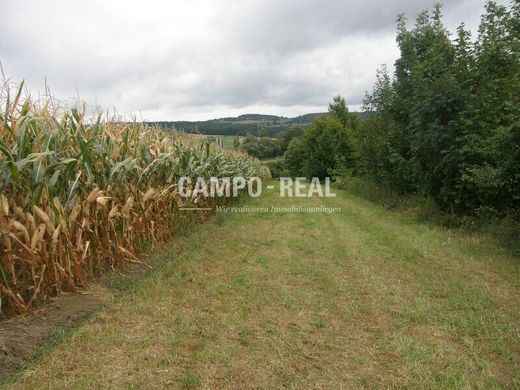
(202, 59)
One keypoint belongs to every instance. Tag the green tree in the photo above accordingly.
(339, 109)
(491, 172)
(325, 147)
(447, 123)
(374, 135)
(289, 134)
(295, 156)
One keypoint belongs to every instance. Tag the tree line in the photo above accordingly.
(445, 124)
(258, 125)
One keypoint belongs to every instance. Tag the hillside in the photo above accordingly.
(246, 124)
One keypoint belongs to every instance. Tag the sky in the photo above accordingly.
(204, 59)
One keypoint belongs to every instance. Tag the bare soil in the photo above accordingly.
(23, 336)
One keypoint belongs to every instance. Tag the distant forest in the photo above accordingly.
(248, 124)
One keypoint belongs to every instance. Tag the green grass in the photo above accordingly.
(365, 298)
(227, 140)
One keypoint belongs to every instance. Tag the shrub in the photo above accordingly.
(325, 147)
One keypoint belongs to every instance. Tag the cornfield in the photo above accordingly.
(78, 196)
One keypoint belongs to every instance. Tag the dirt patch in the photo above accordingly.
(22, 337)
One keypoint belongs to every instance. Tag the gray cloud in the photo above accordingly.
(201, 58)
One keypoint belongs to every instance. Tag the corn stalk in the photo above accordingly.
(79, 196)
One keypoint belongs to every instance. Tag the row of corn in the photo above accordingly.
(78, 196)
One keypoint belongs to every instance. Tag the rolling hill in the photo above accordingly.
(247, 124)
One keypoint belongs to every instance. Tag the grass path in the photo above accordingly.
(361, 299)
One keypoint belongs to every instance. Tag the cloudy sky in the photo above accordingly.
(202, 59)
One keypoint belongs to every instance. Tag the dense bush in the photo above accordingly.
(277, 168)
(448, 123)
(263, 147)
(324, 148)
(291, 133)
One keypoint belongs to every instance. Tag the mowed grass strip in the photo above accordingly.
(365, 298)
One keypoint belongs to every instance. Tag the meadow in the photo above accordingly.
(365, 298)
(222, 141)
